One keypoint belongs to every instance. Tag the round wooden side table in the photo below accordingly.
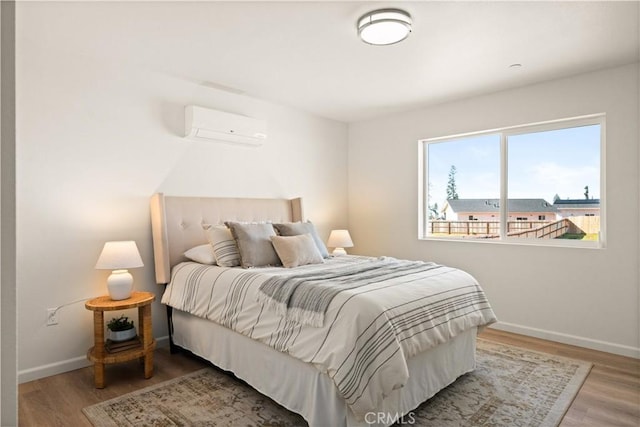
(99, 355)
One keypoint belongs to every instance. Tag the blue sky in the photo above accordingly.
(541, 165)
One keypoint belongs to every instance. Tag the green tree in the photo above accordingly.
(452, 189)
(433, 211)
(431, 208)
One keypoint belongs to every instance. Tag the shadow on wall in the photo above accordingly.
(171, 115)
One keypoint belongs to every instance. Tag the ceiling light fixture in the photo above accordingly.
(384, 26)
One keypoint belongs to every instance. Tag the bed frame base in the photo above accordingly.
(320, 403)
(173, 348)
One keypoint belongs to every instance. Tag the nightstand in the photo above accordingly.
(99, 355)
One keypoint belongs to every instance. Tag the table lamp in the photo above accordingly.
(119, 256)
(339, 239)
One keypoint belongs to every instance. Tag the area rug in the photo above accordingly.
(510, 387)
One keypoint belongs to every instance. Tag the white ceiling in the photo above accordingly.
(307, 54)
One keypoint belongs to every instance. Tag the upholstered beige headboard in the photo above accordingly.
(176, 222)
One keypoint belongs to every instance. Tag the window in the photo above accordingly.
(493, 185)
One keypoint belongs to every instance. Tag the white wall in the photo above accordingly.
(95, 141)
(580, 296)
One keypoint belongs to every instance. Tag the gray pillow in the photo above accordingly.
(297, 228)
(254, 243)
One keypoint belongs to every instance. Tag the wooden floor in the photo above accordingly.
(609, 397)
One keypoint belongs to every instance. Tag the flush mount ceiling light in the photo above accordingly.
(384, 26)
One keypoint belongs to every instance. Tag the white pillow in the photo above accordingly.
(224, 246)
(297, 250)
(202, 254)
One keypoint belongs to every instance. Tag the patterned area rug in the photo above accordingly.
(510, 387)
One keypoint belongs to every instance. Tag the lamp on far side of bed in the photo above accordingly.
(119, 256)
(339, 239)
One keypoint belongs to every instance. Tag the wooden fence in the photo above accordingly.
(491, 229)
(584, 224)
(468, 228)
(548, 231)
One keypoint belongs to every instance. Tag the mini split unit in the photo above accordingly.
(203, 124)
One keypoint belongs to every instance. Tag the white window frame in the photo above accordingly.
(505, 133)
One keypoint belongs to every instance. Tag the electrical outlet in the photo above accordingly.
(52, 316)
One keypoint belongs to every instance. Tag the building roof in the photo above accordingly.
(577, 203)
(493, 205)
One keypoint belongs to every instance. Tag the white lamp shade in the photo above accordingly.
(339, 239)
(118, 256)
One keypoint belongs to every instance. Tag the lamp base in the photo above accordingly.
(120, 284)
(339, 251)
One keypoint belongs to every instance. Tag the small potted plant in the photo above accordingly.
(121, 328)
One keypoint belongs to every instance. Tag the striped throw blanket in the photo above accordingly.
(305, 297)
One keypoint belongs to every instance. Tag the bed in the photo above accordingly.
(350, 362)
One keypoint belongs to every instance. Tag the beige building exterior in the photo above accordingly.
(577, 207)
(489, 210)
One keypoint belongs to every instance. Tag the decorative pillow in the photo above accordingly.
(202, 254)
(297, 250)
(297, 228)
(254, 243)
(223, 244)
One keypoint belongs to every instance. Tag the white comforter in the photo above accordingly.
(368, 332)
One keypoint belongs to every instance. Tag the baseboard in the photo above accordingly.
(605, 346)
(66, 365)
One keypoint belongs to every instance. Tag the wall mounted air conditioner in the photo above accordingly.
(213, 125)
